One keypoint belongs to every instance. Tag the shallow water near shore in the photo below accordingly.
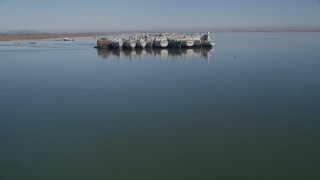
(249, 108)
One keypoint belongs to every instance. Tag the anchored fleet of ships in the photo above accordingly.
(166, 40)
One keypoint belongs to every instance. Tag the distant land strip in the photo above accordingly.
(37, 36)
(18, 37)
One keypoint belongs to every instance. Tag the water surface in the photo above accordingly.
(249, 108)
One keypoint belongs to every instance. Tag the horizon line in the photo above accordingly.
(164, 30)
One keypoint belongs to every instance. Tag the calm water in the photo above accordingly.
(249, 108)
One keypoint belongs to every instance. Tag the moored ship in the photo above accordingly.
(149, 40)
(141, 43)
(174, 43)
(130, 43)
(187, 42)
(103, 43)
(206, 41)
(149, 43)
(196, 41)
(160, 42)
(116, 44)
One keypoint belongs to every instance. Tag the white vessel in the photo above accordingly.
(187, 42)
(116, 44)
(67, 39)
(149, 41)
(197, 41)
(130, 43)
(160, 42)
(141, 43)
(206, 41)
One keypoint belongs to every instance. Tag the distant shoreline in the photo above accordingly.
(38, 36)
(21, 37)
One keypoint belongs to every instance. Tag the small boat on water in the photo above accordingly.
(32, 42)
(67, 39)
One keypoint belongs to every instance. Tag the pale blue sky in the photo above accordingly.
(102, 15)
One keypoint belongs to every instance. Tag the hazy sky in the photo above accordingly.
(103, 15)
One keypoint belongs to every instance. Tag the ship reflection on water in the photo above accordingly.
(179, 54)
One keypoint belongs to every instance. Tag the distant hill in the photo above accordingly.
(23, 32)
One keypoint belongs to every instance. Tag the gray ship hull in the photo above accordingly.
(141, 44)
(197, 44)
(129, 45)
(149, 44)
(174, 44)
(208, 44)
(116, 45)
